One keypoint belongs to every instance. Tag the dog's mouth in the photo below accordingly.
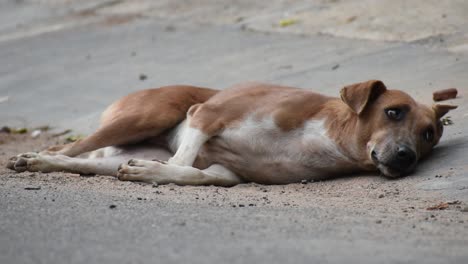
(395, 165)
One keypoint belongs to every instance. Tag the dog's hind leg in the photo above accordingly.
(138, 116)
(106, 163)
(121, 132)
(47, 163)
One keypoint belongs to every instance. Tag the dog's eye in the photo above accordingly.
(429, 135)
(394, 113)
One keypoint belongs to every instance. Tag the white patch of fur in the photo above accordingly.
(309, 145)
(317, 140)
(175, 137)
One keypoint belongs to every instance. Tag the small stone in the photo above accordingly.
(155, 185)
(36, 133)
(378, 221)
(112, 206)
(241, 205)
(32, 188)
(381, 196)
(143, 77)
(304, 182)
(139, 198)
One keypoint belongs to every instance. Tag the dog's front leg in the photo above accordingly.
(192, 139)
(201, 124)
(163, 173)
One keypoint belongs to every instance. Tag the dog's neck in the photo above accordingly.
(349, 132)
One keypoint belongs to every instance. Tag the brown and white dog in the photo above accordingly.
(250, 133)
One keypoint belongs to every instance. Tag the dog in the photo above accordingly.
(251, 132)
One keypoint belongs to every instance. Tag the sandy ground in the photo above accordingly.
(385, 202)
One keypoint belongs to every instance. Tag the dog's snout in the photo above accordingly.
(406, 155)
(403, 159)
(396, 162)
(374, 156)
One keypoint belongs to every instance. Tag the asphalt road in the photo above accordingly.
(61, 69)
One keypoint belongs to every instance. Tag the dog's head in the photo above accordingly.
(396, 129)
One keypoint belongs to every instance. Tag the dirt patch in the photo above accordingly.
(371, 194)
(389, 206)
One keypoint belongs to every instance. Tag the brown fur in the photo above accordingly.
(355, 123)
(138, 116)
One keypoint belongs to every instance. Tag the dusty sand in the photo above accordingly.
(385, 200)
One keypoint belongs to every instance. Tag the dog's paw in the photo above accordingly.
(30, 161)
(140, 170)
(11, 163)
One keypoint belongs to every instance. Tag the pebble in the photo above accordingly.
(444, 94)
(32, 188)
(36, 133)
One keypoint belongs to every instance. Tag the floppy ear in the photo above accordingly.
(357, 96)
(441, 110)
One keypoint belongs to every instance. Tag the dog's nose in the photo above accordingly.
(405, 156)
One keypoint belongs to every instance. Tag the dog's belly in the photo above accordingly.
(260, 152)
(267, 168)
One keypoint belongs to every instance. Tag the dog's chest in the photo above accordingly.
(258, 148)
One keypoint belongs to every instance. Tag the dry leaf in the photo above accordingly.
(440, 206)
(287, 22)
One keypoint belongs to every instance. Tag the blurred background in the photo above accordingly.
(82, 55)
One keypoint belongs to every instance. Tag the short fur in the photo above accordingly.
(250, 133)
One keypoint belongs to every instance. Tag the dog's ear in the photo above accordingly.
(441, 110)
(357, 96)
